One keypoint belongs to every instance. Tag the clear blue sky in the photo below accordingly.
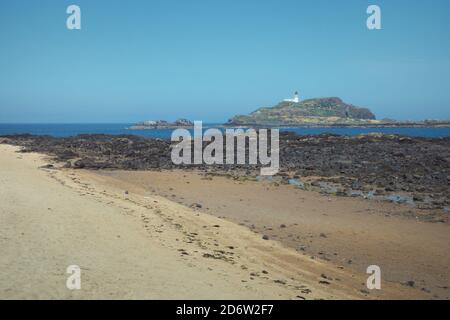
(211, 59)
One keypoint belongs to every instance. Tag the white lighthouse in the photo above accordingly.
(295, 100)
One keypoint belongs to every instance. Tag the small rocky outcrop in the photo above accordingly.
(162, 124)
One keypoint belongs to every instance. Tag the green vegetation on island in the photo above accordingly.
(331, 111)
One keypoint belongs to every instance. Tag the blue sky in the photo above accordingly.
(211, 59)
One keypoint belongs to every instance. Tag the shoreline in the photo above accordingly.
(394, 168)
(135, 246)
(293, 126)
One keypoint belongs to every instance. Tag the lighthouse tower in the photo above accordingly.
(296, 98)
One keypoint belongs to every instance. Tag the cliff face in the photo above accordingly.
(321, 110)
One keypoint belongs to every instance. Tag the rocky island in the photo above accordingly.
(162, 124)
(311, 111)
(323, 112)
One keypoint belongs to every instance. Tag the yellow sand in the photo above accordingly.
(129, 246)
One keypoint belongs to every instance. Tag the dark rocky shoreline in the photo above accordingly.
(366, 165)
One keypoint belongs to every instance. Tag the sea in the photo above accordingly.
(66, 130)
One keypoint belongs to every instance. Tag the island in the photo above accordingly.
(321, 112)
(162, 124)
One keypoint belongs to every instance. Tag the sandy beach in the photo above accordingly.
(136, 242)
(349, 232)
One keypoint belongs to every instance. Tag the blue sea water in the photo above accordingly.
(65, 130)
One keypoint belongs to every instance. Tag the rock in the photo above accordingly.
(410, 283)
(280, 281)
(162, 124)
(356, 185)
(364, 291)
(297, 183)
(418, 166)
(265, 237)
(315, 183)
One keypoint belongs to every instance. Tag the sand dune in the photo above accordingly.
(137, 246)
